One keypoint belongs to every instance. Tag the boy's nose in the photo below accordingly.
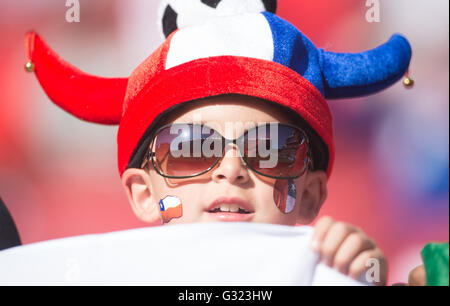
(231, 168)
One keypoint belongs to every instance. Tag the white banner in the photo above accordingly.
(194, 254)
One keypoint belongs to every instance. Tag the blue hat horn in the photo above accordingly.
(339, 75)
(347, 75)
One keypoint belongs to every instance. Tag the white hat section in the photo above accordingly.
(193, 254)
(192, 12)
(247, 36)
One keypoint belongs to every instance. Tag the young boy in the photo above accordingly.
(227, 121)
(232, 191)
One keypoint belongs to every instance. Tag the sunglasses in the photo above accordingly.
(274, 150)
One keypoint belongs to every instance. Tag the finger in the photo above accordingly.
(373, 264)
(353, 245)
(417, 277)
(320, 230)
(335, 236)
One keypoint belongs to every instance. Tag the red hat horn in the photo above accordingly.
(87, 97)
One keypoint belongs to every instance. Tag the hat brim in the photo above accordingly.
(215, 76)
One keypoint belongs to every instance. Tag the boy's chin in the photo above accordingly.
(207, 217)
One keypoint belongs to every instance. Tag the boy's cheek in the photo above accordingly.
(269, 208)
(186, 195)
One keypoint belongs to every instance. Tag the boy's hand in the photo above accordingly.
(347, 249)
(417, 277)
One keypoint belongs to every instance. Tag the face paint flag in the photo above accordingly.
(170, 208)
(291, 197)
(285, 195)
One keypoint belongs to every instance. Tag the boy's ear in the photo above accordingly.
(314, 194)
(138, 189)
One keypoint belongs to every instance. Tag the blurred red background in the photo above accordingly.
(59, 178)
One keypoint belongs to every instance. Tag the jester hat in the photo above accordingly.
(253, 54)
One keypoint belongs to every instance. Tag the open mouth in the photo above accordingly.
(235, 209)
(229, 208)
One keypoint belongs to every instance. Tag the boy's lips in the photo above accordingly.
(230, 210)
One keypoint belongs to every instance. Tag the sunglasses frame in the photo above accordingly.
(150, 155)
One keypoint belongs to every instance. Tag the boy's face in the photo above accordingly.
(230, 183)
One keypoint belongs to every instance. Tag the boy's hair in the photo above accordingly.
(319, 150)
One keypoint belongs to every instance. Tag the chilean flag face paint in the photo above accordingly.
(285, 195)
(170, 208)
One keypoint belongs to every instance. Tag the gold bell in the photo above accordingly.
(29, 66)
(408, 82)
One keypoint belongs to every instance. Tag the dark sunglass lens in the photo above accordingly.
(276, 150)
(185, 150)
